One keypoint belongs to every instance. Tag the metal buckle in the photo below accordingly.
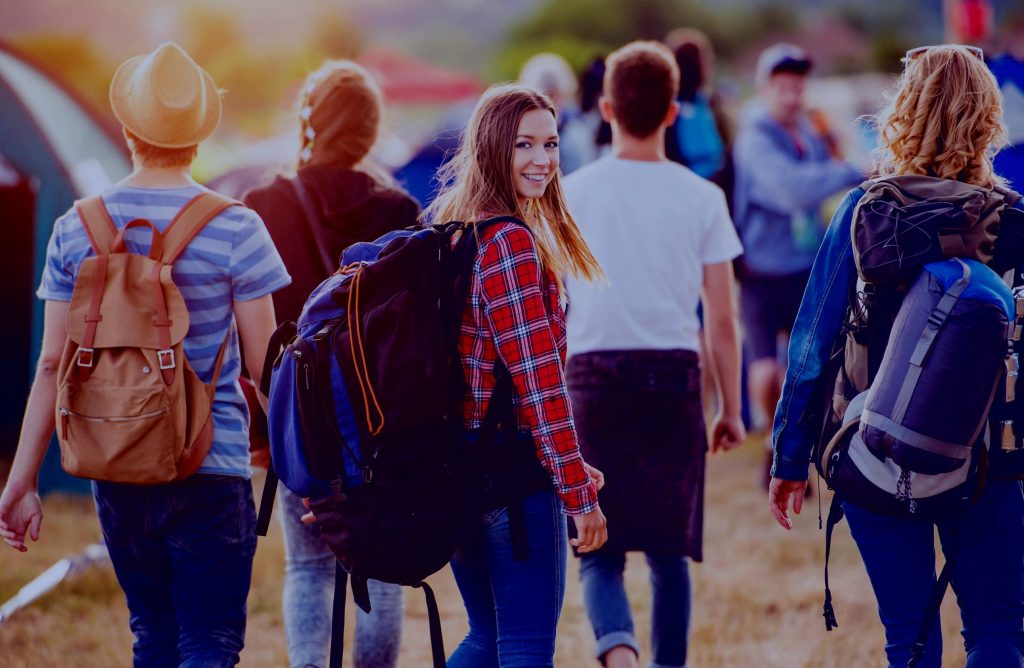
(85, 357)
(166, 358)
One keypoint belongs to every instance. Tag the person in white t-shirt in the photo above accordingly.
(663, 236)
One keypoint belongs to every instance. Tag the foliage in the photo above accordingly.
(580, 29)
(76, 61)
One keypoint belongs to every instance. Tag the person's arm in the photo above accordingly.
(780, 182)
(518, 320)
(818, 323)
(256, 323)
(722, 344)
(21, 511)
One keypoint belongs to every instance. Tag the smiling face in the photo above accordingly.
(535, 155)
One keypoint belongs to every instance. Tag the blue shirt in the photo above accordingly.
(231, 259)
(780, 186)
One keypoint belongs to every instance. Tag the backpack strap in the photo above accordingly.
(338, 616)
(434, 621)
(98, 224)
(934, 603)
(835, 516)
(196, 213)
(312, 217)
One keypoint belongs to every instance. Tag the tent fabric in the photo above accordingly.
(62, 152)
(407, 80)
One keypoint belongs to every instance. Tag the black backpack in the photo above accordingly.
(906, 323)
(365, 416)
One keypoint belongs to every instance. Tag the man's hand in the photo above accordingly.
(779, 493)
(21, 512)
(727, 432)
(591, 531)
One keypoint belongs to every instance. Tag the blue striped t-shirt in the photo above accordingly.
(232, 258)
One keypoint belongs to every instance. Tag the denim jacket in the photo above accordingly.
(817, 325)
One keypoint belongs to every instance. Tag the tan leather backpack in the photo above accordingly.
(129, 407)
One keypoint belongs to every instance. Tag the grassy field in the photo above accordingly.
(757, 597)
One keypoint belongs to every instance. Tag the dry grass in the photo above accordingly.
(757, 598)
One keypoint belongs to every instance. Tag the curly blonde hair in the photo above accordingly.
(946, 119)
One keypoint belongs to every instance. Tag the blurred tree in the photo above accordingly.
(77, 62)
(336, 36)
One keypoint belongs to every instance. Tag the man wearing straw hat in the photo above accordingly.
(182, 550)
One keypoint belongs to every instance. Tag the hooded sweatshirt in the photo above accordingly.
(351, 206)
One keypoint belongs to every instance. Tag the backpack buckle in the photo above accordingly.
(166, 358)
(85, 357)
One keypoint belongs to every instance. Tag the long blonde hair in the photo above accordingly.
(478, 182)
(946, 119)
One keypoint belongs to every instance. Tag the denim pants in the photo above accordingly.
(513, 606)
(986, 543)
(309, 599)
(182, 553)
(604, 595)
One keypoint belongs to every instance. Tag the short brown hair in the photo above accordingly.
(158, 156)
(641, 81)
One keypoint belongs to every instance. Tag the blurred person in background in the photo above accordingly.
(591, 83)
(699, 139)
(336, 199)
(784, 171)
(1008, 68)
(665, 240)
(553, 76)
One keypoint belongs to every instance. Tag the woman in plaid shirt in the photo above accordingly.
(511, 570)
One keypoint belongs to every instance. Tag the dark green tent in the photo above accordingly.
(53, 150)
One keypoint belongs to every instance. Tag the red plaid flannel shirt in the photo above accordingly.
(514, 312)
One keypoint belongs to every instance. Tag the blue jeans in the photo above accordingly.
(604, 595)
(309, 599)
(513, 606)
(183, 555)
(986, 543)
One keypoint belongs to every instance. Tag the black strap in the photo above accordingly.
(266, 502)
(284, 333)
(361, 593)
(835, 515)
(310, 213)
(934, 603)
(338, 616)
(434, 620)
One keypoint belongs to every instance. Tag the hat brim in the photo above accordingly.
(119, 86)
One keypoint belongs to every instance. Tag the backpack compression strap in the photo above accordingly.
(835, 516)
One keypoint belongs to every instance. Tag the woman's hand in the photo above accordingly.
(727, 432)
(595, 475)
(591, 531)
(779, 493)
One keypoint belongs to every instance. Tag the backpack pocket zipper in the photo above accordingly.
(66, 414)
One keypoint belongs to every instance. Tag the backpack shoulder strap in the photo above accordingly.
(196, 213)
(98, 224)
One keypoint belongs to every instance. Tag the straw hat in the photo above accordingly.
(165, 98)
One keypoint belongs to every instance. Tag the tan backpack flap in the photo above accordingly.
(190, 221)
(130, 280)
(97, 223)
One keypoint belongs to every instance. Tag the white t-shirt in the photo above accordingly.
(652, 226)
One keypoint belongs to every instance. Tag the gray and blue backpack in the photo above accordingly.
(916, 400)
